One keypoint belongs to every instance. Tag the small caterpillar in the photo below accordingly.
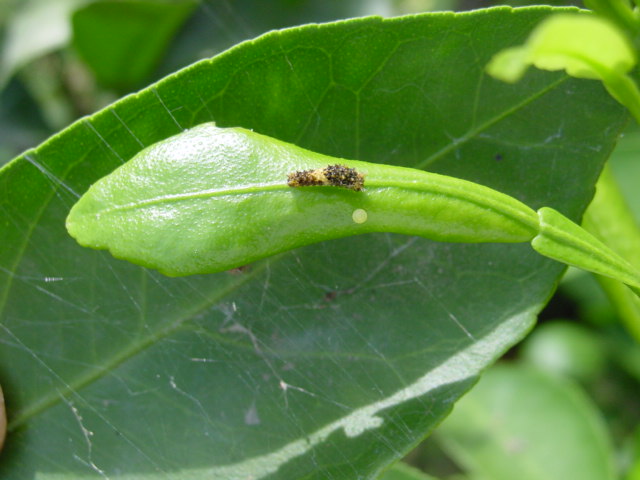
(331, 175)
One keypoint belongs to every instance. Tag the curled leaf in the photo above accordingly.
(211, 199)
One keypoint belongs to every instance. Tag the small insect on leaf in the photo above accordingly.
(331, 175)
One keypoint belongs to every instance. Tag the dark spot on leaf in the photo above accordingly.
(330, 296)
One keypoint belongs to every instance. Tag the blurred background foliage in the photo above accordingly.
(62, 59)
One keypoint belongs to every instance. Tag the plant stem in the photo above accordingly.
(610, 219)
(624, 89)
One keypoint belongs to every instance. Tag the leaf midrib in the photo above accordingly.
(488, 124)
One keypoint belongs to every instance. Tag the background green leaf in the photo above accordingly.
(50, 87)
(545, 425)
(402, 471)
(327, 362)
(35, 28)
(144, 30)
(21, 123)
(626, 168)
(566, 348)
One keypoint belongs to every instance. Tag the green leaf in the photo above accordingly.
(520, 423)
(626, 168)
(21, 121)
(567, 242)
(610, 219)
(613, 216)
(634, 470)
(402, 471)
(36, 28)
(211, 199)
(566, 348)
(586, 46)
(330, 361)
(217, 26)
(3, 419)
(123, 41)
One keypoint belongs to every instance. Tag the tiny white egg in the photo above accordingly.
(359, 215)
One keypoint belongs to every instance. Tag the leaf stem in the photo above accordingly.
(567, 242)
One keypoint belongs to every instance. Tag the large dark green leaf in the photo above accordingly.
(326, 362)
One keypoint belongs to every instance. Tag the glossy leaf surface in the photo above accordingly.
(212, 199)
(326, 362)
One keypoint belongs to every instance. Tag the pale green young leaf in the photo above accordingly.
(521, 423)
(585, 46)
(107, 36)
(212, 199)
(565, 241)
